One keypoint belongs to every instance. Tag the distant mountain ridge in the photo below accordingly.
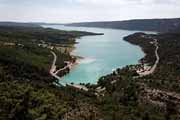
(18, 24)
(160, 25)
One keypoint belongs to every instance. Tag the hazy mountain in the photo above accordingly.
(162, 25)
(18, 24)
(45, 23)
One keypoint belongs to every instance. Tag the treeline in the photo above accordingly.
(167, 74)
(29, 63)
(160, 25)
(22, 100)
(125, 95)
(121, 99)
(27, 90)
(37, 34)
(145, 42)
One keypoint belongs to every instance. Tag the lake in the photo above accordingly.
(102, 54)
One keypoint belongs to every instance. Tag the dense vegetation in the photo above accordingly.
(28, 92)
(145, 43)
(167, 74)
(16, 24)
(162, 25)
(38, 34)
(125, 95)
(27, 63)
(21, 56)
(122, 99)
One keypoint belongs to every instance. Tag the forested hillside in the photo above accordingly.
(27, 89)
(160, 25)
(29, 92)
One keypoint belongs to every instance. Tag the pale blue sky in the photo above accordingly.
(64, 11)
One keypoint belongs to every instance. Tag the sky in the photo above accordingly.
(68, 11)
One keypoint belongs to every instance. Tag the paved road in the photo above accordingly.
(156, 62)
(53, 72)
(53, 67)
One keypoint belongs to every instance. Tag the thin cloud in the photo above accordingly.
(86, 10)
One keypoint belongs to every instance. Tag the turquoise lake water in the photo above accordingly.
(102, 53)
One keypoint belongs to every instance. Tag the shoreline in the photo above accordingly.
(82, 86)
(70, 64)
(79, 58)
(147, 68)
(72, 47)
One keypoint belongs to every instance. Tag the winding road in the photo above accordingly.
(156, 62)
(54, 73)
(53, 66)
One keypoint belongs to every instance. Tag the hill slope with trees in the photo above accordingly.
(160, 25)
(29, 92)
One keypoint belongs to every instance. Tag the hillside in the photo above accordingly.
(29, 92)
(17, 24)
(125, 94)
(27, 89)
(160, 25)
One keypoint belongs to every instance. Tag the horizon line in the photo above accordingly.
(12, 21)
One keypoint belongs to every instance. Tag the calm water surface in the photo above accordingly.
(101, 53)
